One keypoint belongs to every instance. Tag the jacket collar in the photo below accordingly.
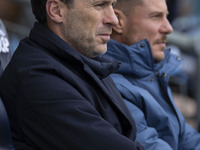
(54, 45)
(137, 59)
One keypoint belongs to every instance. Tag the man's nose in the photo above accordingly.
(166, 27)
(110, 17)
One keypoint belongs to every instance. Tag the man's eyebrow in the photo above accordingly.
(108, 1)
(155, 13)
(159, 13)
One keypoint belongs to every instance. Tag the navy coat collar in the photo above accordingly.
(63, 51)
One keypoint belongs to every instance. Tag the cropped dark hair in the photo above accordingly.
(39, 8)
(127, 5)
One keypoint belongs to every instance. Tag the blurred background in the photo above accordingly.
(18, 18)
(184, 15)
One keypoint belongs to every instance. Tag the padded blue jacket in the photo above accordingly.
(144, 87)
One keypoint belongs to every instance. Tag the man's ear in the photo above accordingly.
(53, 9)
(119, 27)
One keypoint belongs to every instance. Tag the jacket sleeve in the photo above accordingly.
(55, 116)
(190, 138)
(146, 136)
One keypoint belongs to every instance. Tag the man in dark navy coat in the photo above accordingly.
(57, 89)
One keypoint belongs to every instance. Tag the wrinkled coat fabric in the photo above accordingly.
(58, 99)
(144, 87)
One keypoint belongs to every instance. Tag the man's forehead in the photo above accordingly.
(110, 1)
(157, 5)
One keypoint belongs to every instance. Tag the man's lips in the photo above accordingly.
(161, 41)
(163, 44)
(105, 36)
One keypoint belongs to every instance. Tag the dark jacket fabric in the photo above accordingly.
(58, 99)
(144, 87)
(5, 53)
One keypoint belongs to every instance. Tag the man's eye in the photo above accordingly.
(100, 5)
(156, 16)
(113, 4)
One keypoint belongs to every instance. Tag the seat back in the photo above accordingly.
(5, 132)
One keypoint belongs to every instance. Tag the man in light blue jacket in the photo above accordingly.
(139, 42)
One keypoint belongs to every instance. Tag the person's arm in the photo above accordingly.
(55, 116)
(146, 136)
(190, 139)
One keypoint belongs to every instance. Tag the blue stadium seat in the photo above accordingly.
(5, 133)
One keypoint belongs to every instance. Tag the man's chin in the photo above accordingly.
(158, 59)
(102, 49)
(99, 51)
